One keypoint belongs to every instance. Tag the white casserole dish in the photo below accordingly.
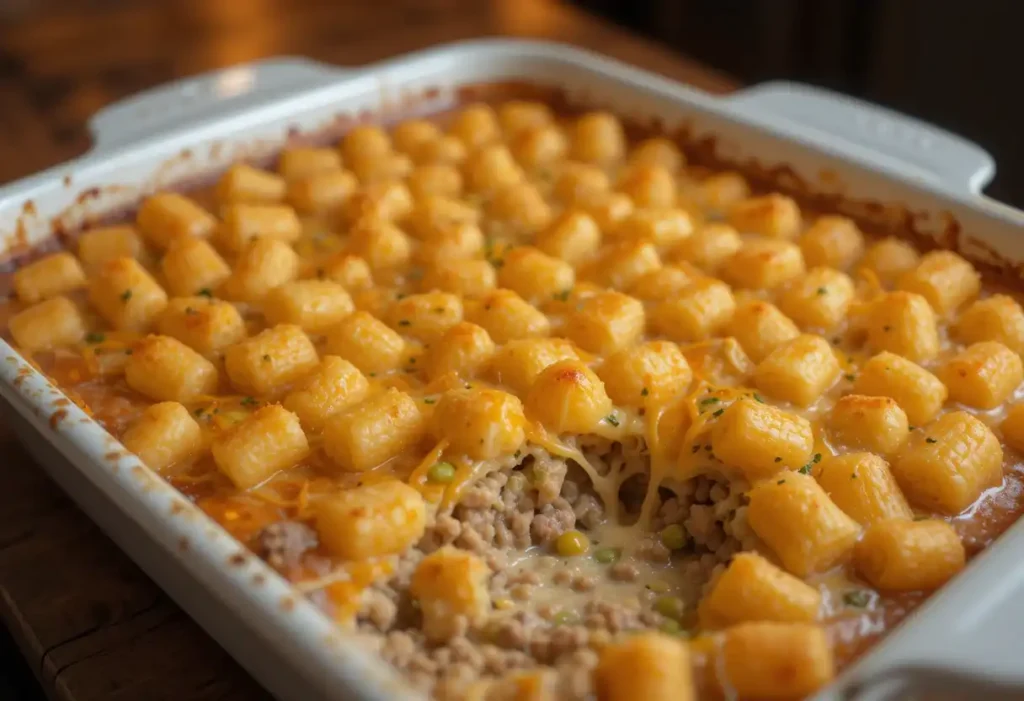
(200, 125)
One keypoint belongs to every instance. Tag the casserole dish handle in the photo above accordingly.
(189, 101)
(871, 134)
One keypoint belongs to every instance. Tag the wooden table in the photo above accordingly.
(91, 625)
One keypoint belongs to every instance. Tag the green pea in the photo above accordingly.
(606, 556)
(671, 626)
(669, 606)
(673, 537)
(441, 473)
(564, 618)
(572, 543)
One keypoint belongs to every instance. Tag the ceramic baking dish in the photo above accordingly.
(897, 171)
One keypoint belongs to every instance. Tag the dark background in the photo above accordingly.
(955, 63)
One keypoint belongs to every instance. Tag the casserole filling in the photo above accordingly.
(541, 411)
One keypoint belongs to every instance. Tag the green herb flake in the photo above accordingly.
(428, 400)
(206, 292)
(778, 459)
(248, 401)
(911, 428)
(562, 296)
(806, 469)
(850, 376)
(822, 291)
(857, 598)
(404, 322)
(189, 311)
(644, 392)
(95, 337)
(126, 295)
(199, 411)
(781, 482)
(266, 357)
(718, 413)
(709, 401)
(612, 420)
(758, 398)
(930, 440)
(695, 449)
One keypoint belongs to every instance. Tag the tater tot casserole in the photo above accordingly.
(540, 410)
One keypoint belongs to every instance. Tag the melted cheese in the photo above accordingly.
(606, 486)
